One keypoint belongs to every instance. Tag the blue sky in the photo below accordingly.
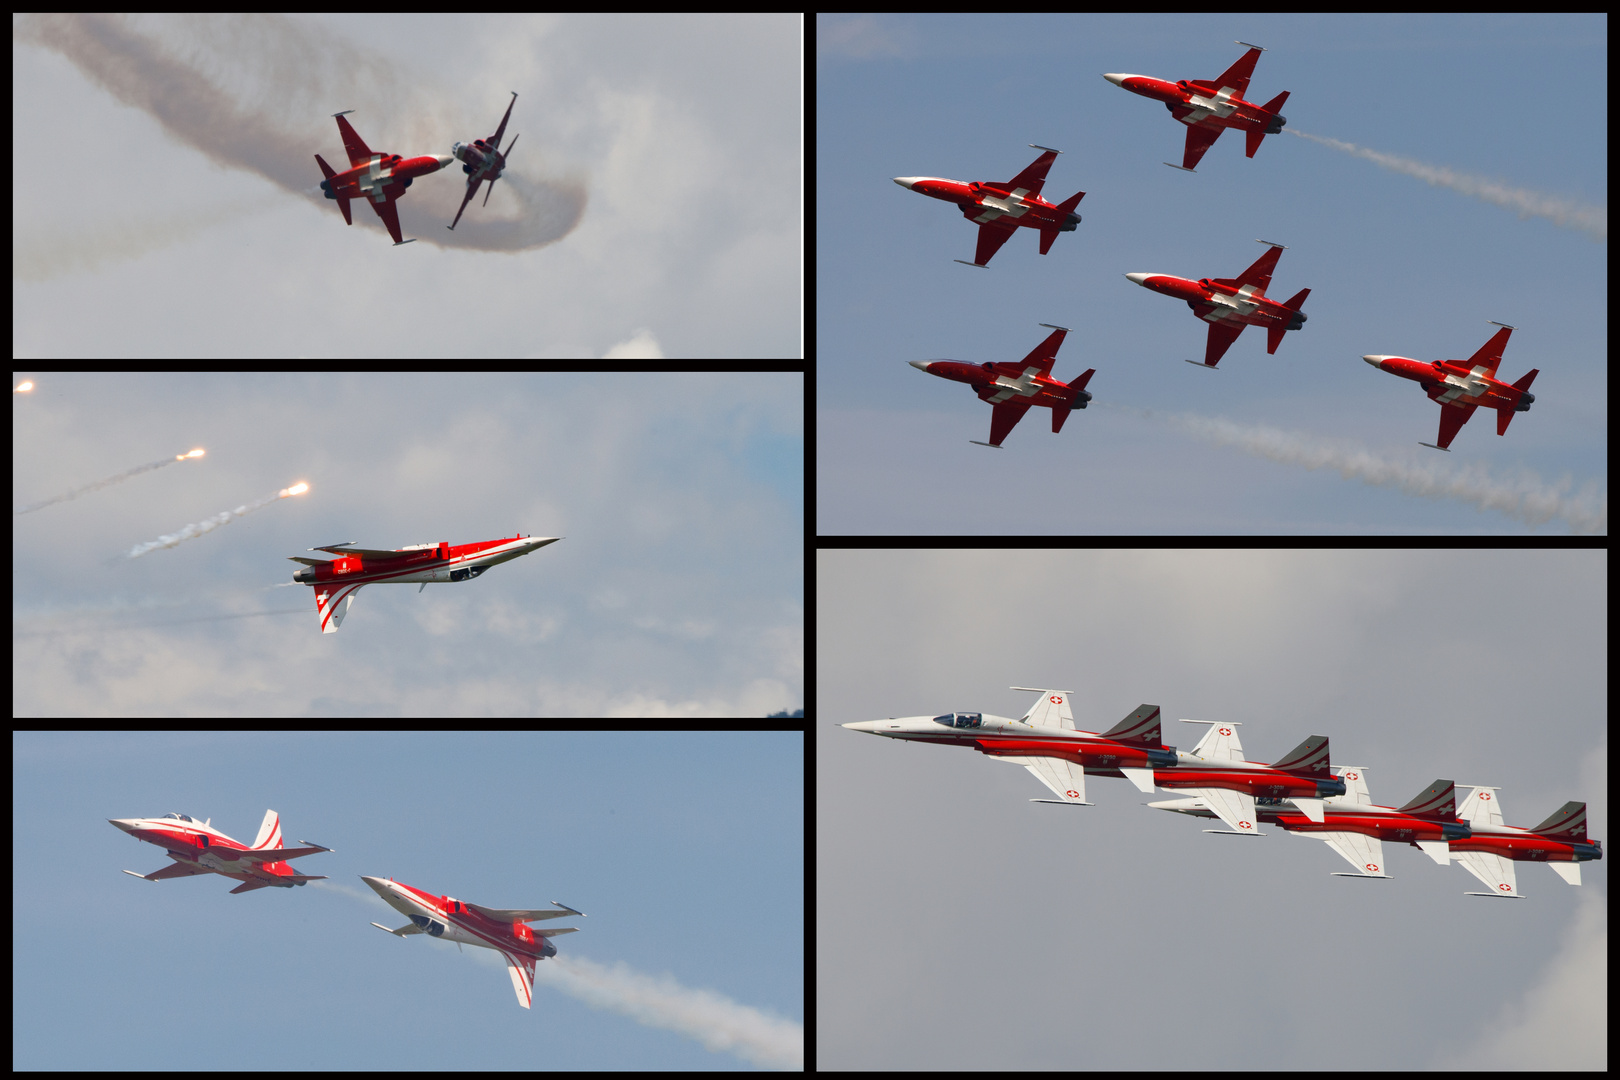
(677, 589)
(1115, 936)
(1395, 266)
(683, 849)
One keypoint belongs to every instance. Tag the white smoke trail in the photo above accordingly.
(1525, 497)
(99, 484)
(1568, 213)
(712, 1019)
(225, 517)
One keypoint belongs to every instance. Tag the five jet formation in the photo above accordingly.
(1207, 107)
(1300, 793)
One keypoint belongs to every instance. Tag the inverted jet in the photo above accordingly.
(198, 848)
(502, 929)
(1461, 386)
(1230, 304)
(483, 159)
(1046, 742)
(1013, 388)
(999, 208)
(377, 178)
(1492, 848)
(337, 580)
(1208, 107)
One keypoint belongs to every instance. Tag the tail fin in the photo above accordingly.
(1438, 802)
(269, 832)
(1567, 823)
(1141, 728)
(1273, 125)
(1309, 757)
(326, 186)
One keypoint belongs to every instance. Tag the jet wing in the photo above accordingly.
(495, 139)
(1199, 140)
(1494, 871)
(173, 870)
(1034, 177)
(1489, 355)
(409, 928)
(359, 153)
(1044, 355)
(991, 237)
(521, 968)
(1365, 853)
(332, 603)
(1221, 336)
(267, 854)
(472, 189)
(1236, 78)
(390, 217)
(1066, 779)
(364, 553)
(1452, 418)
(1236, 808)
(1004, 417)
(511, 915)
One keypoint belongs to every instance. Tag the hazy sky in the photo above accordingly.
(1395, 266)
(675, 140)
(678, 588)
(684, 851)
(962, 926)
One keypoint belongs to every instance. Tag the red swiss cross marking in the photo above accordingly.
(1351, 776)
(1226, 731)
(1072, 793)
(1244, 825)
(1372, 868)
(1505, 888)
(1056, 700)
(1484, 796)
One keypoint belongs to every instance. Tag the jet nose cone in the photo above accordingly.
(1140, 279)
(862, 725)
(920, 365)
(1375, 360)
(905, 181)
(127, 824)
(1117, 80)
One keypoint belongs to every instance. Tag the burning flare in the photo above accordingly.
(99, 484)
(224, 517)
(23, 388)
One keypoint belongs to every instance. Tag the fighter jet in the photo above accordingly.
(483, 159)
(1209, 108)
(1492, 848)
(1463, 386)
(1013, 388)
(500, 929)
(337, 580)
(1046, 743)
(1000, 207)
(378, 178)
(1230, 304)
(199, 848)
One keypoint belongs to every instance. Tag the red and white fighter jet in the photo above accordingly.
(377, 178)
(1013, 388)
(337, 580)
(501, 929)
(1227, 783)
(1210, 107)
(483, 159)
(1046, 743)
(198, 848)
(1230, 304)
(1000, 208)
(1492, 848)
(1461, 386)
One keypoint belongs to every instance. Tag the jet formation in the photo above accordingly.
(1207, 108)
(381, 179)
(337, 580)
(1300, 793)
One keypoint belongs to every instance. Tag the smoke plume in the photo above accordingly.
(120, 478)
(1524, 497)
(712, 1019)
(257, 92)
(1567, 213)
(223, 518)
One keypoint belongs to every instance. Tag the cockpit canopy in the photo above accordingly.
(180, 817)
(961, 719)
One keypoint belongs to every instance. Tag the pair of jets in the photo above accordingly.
(199, 848)
(337, 580)
(380, 179)
(1207, 108)
(1300, 793)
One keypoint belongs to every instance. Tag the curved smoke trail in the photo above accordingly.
(257, 92)
(1568, 213)
(712, 1019)
(99, 484)
(1525, 497)
(223, 518)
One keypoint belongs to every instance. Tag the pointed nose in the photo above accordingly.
(1117, 80)
(906, 181)
(127, 824)
(920, 365)
(443, 159)
(1140, 279)
(1375, 360)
